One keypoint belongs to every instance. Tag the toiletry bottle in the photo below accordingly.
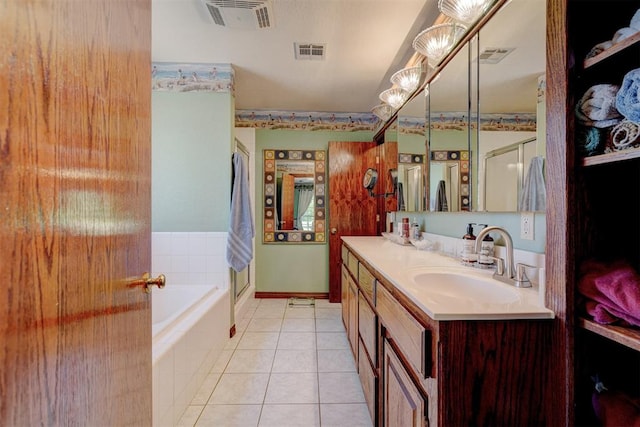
(468, 245)
(486, 250)
(415, 229)
(405, 228)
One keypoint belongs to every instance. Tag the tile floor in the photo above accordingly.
(286, 366)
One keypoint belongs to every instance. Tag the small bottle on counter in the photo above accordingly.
(405, 228)
(468, 245)
(415, 229)
(486, 250)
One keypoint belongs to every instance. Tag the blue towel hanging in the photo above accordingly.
(241, 229)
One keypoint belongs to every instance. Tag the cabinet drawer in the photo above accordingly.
(368, 327)
(353, 264)
(367, 283)
(405, 330)
(368, 380)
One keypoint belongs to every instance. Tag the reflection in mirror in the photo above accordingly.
(411, 155)
(448, 181)
(512, 110)
(448, 134)
(294, 191)
(504, 172)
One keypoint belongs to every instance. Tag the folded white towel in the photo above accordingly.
(623, 33)
(597, 107)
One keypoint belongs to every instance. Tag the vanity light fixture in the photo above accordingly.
(464, 11)
(394, 97)
(407, 78)
(435, 42)
(382, 111)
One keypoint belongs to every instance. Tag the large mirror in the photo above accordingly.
(294, 192)
(411, 187)
(449, 135)
(489, 100)
(511, 105)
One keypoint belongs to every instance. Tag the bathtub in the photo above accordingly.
(190, 326)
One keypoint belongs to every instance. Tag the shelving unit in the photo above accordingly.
(605, 204)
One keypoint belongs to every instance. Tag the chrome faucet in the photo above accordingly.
(505, 273)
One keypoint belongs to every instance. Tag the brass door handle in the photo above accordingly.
(146, 282)
(334, 230)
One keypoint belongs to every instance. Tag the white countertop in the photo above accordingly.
(400, 264)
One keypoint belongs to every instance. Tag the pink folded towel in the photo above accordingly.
(612, 291)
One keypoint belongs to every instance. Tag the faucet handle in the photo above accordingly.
(499, 265)
(522, 281)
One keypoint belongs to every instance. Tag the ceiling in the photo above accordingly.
(366, 42)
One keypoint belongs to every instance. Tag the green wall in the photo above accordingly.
(284, 267)
(192, 135)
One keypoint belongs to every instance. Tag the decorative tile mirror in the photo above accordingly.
(294, 196)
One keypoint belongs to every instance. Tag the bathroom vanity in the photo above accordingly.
(440, 344)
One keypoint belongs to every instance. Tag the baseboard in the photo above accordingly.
(316, 295)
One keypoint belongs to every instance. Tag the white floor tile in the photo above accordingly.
(329, 325)
(269, 312)
(230, 416)
(250, 361)
(332, 341)
(221, 362)
(290, 416)
(298, 325)
(240, 389)
(258, 341)
(297, 341)
(336, 361)
(295, 361)
(328, 313)
(299, 312)
(345, 415)
(292, 388)
(340, 387)
(264, 325)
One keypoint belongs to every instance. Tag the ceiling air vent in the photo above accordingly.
(247, 14)
(310, 50)
(493, 55)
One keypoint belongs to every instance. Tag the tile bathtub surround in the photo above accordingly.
(286, 366)
(195, 258)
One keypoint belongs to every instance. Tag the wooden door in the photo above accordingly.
(352, 212)
(75, 339)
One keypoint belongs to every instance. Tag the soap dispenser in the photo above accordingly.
(468, 245)
(486, 250)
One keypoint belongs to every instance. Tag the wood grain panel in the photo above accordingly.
(495, 373)
(368, 329)
(561, 216)
(369, 382)
(405, 329)
(388, 160)
(286, 222)
(75, 341)
(352, 212)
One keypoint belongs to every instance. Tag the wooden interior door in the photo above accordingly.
(352, 212)
(75, 335)
(288, 195)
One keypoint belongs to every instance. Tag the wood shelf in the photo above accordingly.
(616, 156)
(626, 336)
(624, 44)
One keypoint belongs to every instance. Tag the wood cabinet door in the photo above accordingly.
(75, 139)
(403, 402)
(352, 212)
(345, 297)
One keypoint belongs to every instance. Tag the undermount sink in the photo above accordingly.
(445, 287)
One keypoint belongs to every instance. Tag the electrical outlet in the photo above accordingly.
(526, 225)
